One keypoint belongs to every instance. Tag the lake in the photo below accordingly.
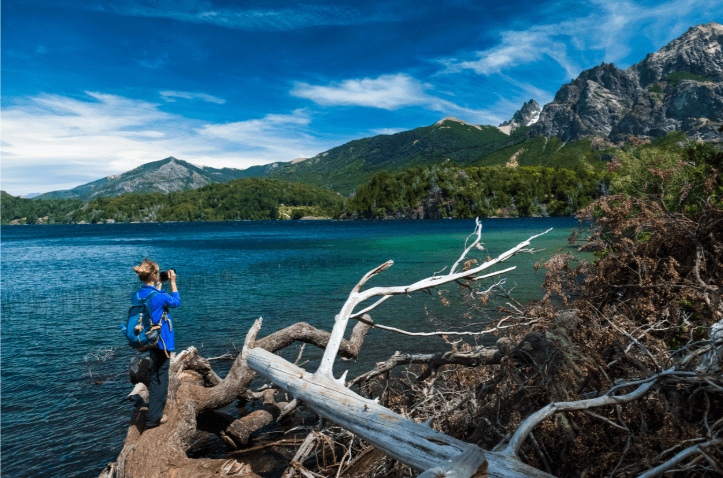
(66, 288)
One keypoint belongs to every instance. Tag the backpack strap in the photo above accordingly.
(147, 304)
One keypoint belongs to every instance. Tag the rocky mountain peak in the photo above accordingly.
(441, 123)
(698, 51)
(677, 88)
(525, 116)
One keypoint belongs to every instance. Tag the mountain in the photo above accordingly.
(678, 88)
(342, 168)
(525, 116)
(345, 167)
(164, 176)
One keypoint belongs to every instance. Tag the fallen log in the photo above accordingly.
(194, 391)
(414, 444)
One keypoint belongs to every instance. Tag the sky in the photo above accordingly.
(92, 88)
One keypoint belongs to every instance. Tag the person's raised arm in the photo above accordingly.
(172, 277)
(175, 296)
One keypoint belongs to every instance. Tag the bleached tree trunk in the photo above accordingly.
(411, 443)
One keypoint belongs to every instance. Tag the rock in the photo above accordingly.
(640, 101)
(525, 116)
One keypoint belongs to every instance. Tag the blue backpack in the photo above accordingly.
(141, 332)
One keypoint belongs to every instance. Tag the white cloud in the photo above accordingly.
(280, 136)
(389, 92)
(517, 48)
(387, 130)
(607, 28)
(199, 11)
(169, 95)
(53, 141)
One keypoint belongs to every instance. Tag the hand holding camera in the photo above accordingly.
(170, 274)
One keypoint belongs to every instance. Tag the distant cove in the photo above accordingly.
(65, 289)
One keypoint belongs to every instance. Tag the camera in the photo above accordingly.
(164, 274)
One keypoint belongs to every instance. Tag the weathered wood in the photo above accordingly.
(357, 296)
(194, 391)
(474, 358)
(414, 444)
(470, 463)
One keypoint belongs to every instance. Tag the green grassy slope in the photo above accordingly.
(345, 167)
(550, 153)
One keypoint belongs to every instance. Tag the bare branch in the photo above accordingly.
(479, 356)
(478, 233)
(659, 470)
(357, 296)
(543, 414)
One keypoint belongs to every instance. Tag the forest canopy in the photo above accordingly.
(241, 199)
(468, 192)
(540, 178)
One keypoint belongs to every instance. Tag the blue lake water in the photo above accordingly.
(65, 289)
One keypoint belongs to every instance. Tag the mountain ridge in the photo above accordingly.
(677, 88)
(166, 175)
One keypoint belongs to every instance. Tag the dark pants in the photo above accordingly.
(158, 391)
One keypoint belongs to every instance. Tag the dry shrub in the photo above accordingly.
(647, 303)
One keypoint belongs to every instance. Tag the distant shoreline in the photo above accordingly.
(310, 219)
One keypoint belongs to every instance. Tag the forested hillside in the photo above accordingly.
(241, 199)
(347, 166)
(453, 191)
(551, 153)
(30, 211)
(545, 177)
(529, 182)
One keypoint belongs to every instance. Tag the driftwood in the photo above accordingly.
(195, 391)
(414, 444)
(535, 360)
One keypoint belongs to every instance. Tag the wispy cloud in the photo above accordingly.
(169, 95)
(515, 48)
(284, 19)
(386, 130)
(605, 31)
(46, 136)
(389, 92)
(276, 135)
(154, 62)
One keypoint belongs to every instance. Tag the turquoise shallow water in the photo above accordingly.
(65, 289)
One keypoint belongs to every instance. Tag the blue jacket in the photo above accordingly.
(160, 304)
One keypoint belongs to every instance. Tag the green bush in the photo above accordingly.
(677, 76)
